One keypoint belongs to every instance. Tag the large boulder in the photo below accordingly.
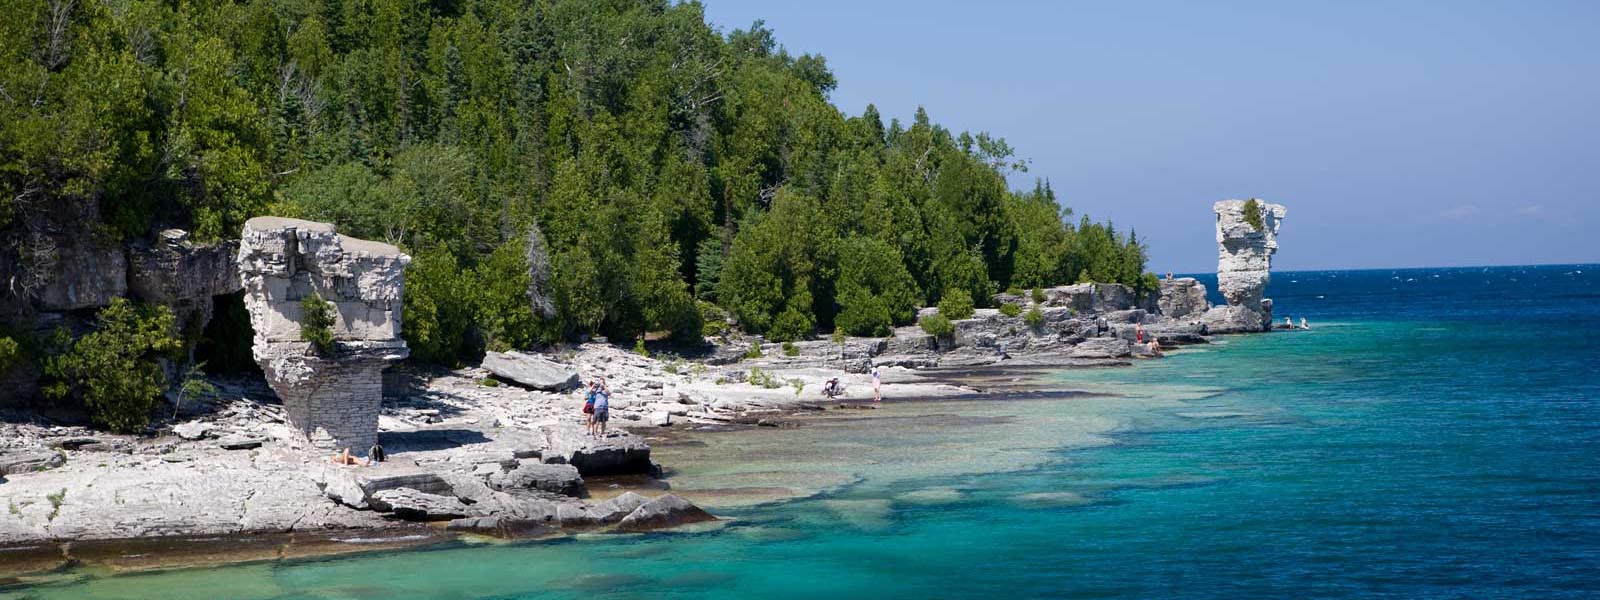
(618, 453)
(663, 512)
(414, 505)
(531, 371)
(1183, 298)
(15, 462)
(531, 474)
(615, 509)
(356, 486)
(1235, 319)
(1102, 347)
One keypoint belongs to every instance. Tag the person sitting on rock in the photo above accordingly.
(1288, 323)
(1303, 324)
(344, 458)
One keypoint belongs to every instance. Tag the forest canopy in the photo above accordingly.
(645, 161)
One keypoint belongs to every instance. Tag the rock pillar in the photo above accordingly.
(1244, 265)
(331, 397)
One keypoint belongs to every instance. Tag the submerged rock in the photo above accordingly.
(662, 513)
(531, 371)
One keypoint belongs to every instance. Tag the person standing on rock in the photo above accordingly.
(877, 385)
(602, 410)
(588, 408)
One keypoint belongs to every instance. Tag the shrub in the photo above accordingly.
(713, 320)
(639, 349)
(789, 349)
(9, 351)
(316, 322)
(838, 337)
(1038, 296)
(755, 350)
(764, 379)
(1010, 310)
(489, 382)
(938, 326)
(115, 368)
(1034, 317)
(791, 324)
(1252, 213)
(956, 305)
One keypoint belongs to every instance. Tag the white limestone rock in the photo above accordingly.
(1244, 265)
(1183, 298)
(531, 370)
(663, 512)
(332, 399)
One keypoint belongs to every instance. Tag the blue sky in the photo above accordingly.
(1397, 133)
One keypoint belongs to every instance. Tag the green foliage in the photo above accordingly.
(1034, 317)
(1010, 310)
(316, 322)
(714, 322)
(956, 305)
(754, 351)
(1038, 296)
(639, 349)
(1252, 213)
(789, 349)
(438, 311)
(874, 289)
(489, 382)
(115, 368)
(764, 379)
(193, 386)
(10, 352)
(663, 161)
(838, 337)
(938, 325)
(56, 499)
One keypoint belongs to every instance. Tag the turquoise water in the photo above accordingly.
(1435, 435)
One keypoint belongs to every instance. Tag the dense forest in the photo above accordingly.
(556, 168)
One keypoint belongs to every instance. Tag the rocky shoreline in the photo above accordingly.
(499, 449)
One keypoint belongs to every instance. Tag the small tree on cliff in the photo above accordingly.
(1252, 213)
(316, 322)
(115, 368)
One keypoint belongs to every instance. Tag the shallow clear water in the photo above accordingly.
(1434, 435)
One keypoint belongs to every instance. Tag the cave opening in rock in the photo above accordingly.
(224, 346)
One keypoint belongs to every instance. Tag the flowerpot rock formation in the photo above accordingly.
(1244, 266)
(332, 397)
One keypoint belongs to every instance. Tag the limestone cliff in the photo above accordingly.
(332, 398)
(1244, 265)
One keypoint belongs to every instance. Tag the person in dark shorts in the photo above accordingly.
(602, 410)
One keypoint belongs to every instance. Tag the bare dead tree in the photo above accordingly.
(55, 48)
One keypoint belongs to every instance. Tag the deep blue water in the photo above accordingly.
(1435, 435)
